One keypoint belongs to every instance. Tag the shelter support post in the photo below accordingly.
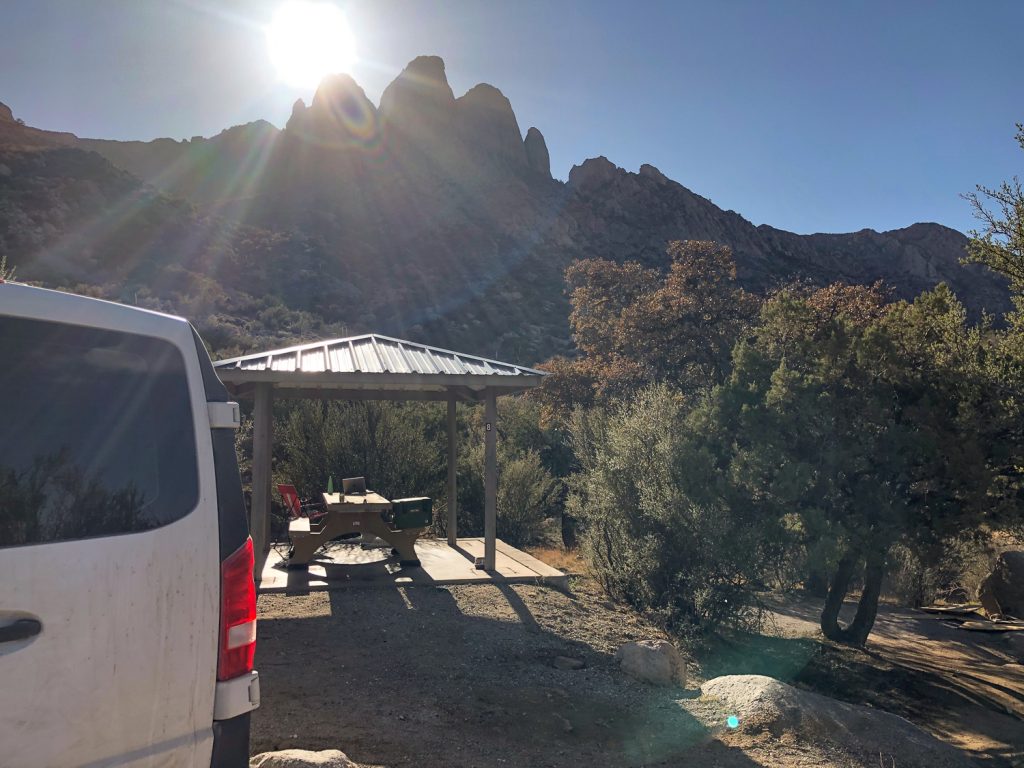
(262, 441)
(490, 479)
(453, 459)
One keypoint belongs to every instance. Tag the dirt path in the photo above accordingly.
(967, 688)
(465, 676)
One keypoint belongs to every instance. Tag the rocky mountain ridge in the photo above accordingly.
(432, 216)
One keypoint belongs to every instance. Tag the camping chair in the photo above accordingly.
(295, 506)
(312, 512)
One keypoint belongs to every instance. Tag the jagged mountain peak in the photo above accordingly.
(340, 113)
(649, 171)
(335, 89)
(420, 92)
(427, 69)
(537, 156)
(488, 124)
(594, 172)
(485, 94)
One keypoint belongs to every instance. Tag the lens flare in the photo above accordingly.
(308, 40)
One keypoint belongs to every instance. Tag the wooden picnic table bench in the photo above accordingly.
(368, 513)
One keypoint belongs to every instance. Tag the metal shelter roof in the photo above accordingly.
(375, 365)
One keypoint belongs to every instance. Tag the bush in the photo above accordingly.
(951, 571)
(651, 537)
(385, 442)
(528, 495)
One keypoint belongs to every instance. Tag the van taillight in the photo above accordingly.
(237, 614)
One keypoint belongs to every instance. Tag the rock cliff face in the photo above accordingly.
(631, 216)
(431, 216)
(488, 124)
(537, 153)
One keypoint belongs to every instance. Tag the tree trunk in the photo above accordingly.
(834, 599)
(867, 608)
(857, 632)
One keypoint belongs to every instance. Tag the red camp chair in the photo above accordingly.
(295, 506)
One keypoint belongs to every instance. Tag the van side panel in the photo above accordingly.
(123, 671)
(231, 511)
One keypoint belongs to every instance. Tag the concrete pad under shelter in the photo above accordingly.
(349, 564)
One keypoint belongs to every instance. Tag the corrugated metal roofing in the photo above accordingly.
(372, 353)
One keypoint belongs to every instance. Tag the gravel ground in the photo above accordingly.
(465, 677)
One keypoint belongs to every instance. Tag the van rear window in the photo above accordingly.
(96, 433)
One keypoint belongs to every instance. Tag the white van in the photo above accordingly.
(127, 605)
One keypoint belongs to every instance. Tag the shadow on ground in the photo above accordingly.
(459, 677)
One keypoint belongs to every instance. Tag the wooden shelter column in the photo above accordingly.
(262, 442)
(453, 461)
(490, 479)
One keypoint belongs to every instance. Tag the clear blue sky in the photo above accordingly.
(804, 115)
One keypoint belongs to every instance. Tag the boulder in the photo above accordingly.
(652, 661)
(302, 758)
(869, 736)
(1001, 593)
(6, 116)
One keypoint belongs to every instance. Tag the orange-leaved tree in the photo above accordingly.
(635, 325)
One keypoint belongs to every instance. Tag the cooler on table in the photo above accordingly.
(416, 512)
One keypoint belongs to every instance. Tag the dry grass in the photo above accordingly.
(566, 560)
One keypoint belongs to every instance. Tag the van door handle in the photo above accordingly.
(22, 629)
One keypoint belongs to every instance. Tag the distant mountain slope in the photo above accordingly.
(431, 216)
(631, 215)
(70, 219)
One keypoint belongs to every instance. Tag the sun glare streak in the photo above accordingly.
(308, 40)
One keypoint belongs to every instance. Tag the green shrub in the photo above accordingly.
(385, 442)
(528, 494)
(651, 537)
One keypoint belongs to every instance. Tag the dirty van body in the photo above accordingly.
(127, 610)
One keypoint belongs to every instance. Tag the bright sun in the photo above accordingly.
(308, 40)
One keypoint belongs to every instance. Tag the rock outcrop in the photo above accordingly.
(537, 156)
(866, 736)
(6, 116)
(593, 174)
(340, 116)
(417, 110)
(302, 758)
(489, 127)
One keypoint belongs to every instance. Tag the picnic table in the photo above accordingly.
(354, 513)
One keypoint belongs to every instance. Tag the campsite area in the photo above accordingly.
(468, 675)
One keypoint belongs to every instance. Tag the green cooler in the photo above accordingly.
(416, 512)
